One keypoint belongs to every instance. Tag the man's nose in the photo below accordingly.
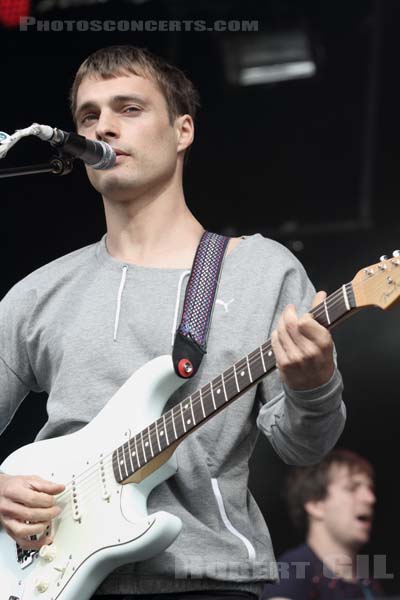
(107, 126)
(369, 495)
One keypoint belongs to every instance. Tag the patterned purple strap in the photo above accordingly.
(191, 337)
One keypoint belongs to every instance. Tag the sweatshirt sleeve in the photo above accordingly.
(16, 375)
(302, 426)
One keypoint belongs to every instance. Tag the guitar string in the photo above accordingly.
(169, 415)
(88, 489)
(318, 311)
(253, 357)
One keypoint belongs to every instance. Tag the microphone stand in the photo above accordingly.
(59, 165)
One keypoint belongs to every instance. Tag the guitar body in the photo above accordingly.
(103, 524)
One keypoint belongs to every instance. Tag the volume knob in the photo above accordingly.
(41, 585)
(48, 552)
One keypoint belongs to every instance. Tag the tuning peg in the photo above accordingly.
(396, 253)
(383, 257)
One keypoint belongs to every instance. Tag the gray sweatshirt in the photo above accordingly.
(78, 327)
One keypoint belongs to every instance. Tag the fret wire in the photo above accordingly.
(191, 407)
(223, 387)
(125, 463)
(326, 312)
(207, 399)
(144, 451)
(262, 358)
(212, 395)
(346, 300)
(119, 465)
(256, 365)
(124, 457)
(151, 445)
(183, 418)
(236, 380)
(197, 407)
(158, 439)
(161, 432)
(123, 460)
(137, 454)
(130, 455)
(173, 423)
(165, 429)
(248, 368)
(202, 403)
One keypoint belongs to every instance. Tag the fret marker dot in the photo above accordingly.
(121, 462)
(161, 433)
(218, 390)
(186, 406)
(270, 353)
(146, 443)
(133, 453)
(242, 373)
(188, 421)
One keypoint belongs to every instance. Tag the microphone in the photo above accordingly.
(99, 155)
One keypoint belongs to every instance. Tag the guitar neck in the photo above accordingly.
(172, 427)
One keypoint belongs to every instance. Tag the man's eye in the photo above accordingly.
(131, 109)
(89, 117)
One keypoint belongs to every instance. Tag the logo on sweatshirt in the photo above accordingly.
(225, 304)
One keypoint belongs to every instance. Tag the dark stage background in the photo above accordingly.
(312, 163)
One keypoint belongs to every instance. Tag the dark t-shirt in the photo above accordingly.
(304, 577)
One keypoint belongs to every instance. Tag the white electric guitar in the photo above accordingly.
(110, 466)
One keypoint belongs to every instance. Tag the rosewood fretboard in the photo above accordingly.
(189, 414)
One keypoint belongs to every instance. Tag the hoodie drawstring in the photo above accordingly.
(120, 292)
(178, 297)
(177, 302)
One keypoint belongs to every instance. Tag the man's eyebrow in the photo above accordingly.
(91, 105)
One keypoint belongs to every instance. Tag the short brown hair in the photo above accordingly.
(179, 92)
(311, 483)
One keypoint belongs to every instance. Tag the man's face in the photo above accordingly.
(130, 113)
(347, 511)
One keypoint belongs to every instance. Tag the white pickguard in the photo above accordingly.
(105, 525)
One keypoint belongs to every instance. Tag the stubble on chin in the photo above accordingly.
(112, 184)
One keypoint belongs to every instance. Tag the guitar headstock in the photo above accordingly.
(379, 284)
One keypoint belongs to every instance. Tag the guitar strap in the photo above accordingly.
(191, 336)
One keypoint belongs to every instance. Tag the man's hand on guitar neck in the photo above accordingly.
(303, 349)
(27, 507)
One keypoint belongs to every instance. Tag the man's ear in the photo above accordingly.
(184, 128)
(315, 509)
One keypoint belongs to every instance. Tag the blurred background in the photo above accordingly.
(297, 138)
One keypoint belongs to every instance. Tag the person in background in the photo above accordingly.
(332, 503)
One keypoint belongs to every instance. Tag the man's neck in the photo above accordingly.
(152, 230)
(340, 559)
